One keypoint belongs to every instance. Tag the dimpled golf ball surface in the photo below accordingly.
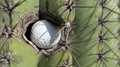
(44, 34)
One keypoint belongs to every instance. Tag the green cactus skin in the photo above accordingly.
(98, 33)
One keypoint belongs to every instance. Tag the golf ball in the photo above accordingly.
(44, 34)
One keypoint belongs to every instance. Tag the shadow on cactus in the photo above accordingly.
(64, 33)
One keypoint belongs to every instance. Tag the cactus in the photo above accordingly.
(98, 32)
(89, 31)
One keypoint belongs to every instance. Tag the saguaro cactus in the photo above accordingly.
(86, 31)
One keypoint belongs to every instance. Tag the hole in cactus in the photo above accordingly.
(27, 33)
(48, 22)
(43, 33)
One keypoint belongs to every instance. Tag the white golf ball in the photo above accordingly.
(44, 34)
